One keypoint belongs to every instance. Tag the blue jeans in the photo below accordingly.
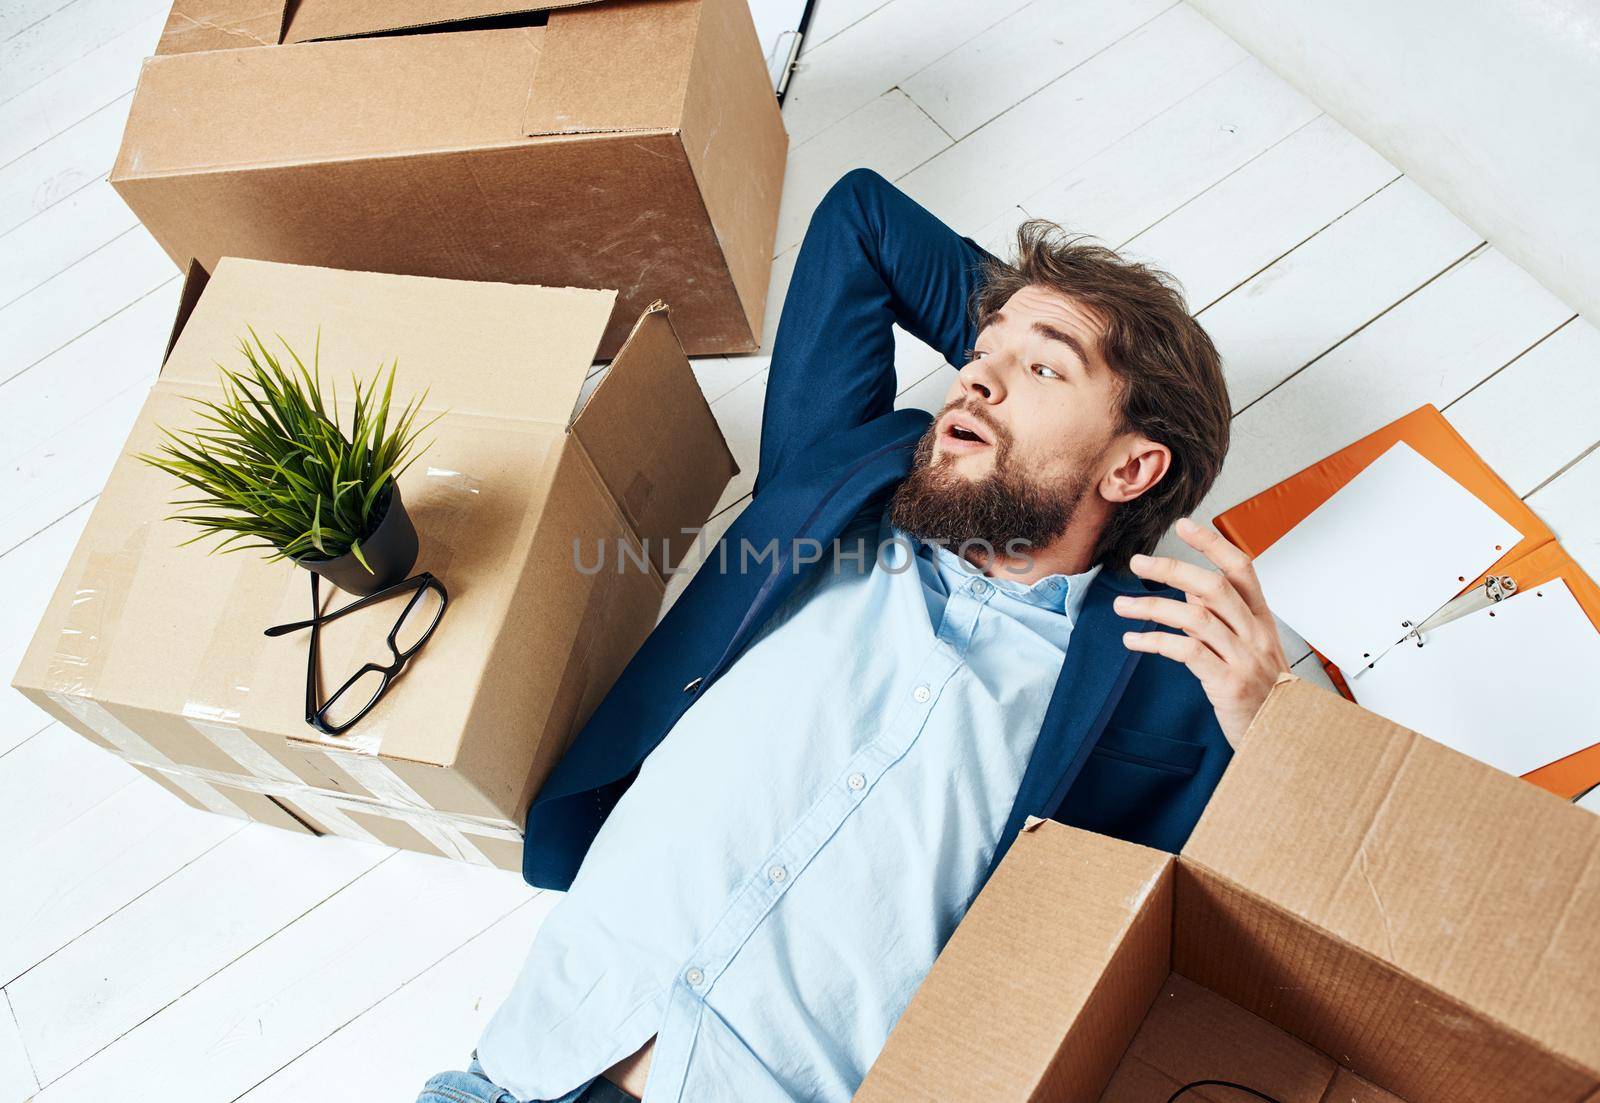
(473, 1086)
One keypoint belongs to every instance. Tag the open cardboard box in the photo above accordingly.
(633, 144)
(1361, 916)
(155, 650)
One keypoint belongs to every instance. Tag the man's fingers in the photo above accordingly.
(1191, 617)
(1231, 560)
(1208, 586)
(1199, 658)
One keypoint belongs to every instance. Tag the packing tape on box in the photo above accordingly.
(94, 610)
(137, 750)
(388, 787)
(262, 766)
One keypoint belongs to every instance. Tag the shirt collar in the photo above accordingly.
(1058, 593)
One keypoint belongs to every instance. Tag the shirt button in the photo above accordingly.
(921, 693)
(693, 975)
(858, 781)
(980, 587)
(777, 873)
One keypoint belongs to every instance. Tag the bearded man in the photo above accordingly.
(777, 816)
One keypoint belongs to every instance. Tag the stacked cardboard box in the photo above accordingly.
(1362, 916)
(156, 651)
(633, 144)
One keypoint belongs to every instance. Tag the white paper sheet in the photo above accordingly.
(1393, 544)
(1516, 685)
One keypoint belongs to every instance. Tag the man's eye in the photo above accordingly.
(973, 354)
(1047, 372)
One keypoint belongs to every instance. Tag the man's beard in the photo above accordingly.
(1004, 513)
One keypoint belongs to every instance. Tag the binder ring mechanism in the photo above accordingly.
(1495, 588)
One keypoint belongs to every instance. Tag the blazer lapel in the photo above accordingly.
(1094, 673)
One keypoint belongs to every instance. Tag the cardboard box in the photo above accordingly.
(156, 651)
(1361, 915)
(633, 144)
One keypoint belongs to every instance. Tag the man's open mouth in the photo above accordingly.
(965, 432)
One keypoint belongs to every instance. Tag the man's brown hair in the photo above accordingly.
(1170, 383)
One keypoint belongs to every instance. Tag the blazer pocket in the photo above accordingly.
(1149, 749)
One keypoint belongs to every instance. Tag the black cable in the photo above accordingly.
(1173, 1098)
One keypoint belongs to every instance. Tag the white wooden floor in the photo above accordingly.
(151, 952)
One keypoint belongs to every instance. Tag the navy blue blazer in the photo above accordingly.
(1129, 746)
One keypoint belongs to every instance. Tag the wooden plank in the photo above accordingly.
(1091, 108)
(1568, 504)
(852, 68)
(1011, 60)
(94, 864)
(51, 780)
(833, 16)
(60, 236)
(73, 31)
(18, 15)
(889, 134)
(1540, 412)
(73, 159)
(1254, 216)
(1306, 302)
(275, 1002)
(429, 1025)
(72, 94)
(1177, 155)
(48, 318)
(17, 1082)
(255, 883)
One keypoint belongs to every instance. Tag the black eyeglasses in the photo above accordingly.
(363, 689)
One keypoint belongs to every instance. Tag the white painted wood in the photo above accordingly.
(52, 315)
(1311, 670)
(1251, 218)
(1570, 505)
(108, 358)
(259, 880)
(427, 1026)
(48, 243)
(17, 1082)
(1347, 274)
(342, 957)
(52, 779)
(739, 414)
(1176, 155)
(1014, 58)
(860, 63)
(830, 17)
(73, 31)
(889, 134)
(86, 869)
(17, 16)
(1540, 412)
(52, 171)
(72, 94)
(31, 572)
(1066, 123)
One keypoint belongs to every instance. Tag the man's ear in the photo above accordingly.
(1139, 464)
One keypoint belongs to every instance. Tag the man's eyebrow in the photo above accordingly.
(1045, 329)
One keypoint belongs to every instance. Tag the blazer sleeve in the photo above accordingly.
(872, 257)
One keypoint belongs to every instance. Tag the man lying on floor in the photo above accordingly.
(780, 812)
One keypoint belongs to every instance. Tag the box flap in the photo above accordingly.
(1044, 982)
(648, 416)
(216, 110)
(1478, 884)
(618, 66)
(195, 25)
(311, 20)
(502, 350)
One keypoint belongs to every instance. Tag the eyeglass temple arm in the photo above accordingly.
(416, 582)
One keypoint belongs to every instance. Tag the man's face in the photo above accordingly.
(1024, 432)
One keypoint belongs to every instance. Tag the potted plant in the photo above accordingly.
(274, 469)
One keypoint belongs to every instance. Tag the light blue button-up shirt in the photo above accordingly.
(790, 860)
